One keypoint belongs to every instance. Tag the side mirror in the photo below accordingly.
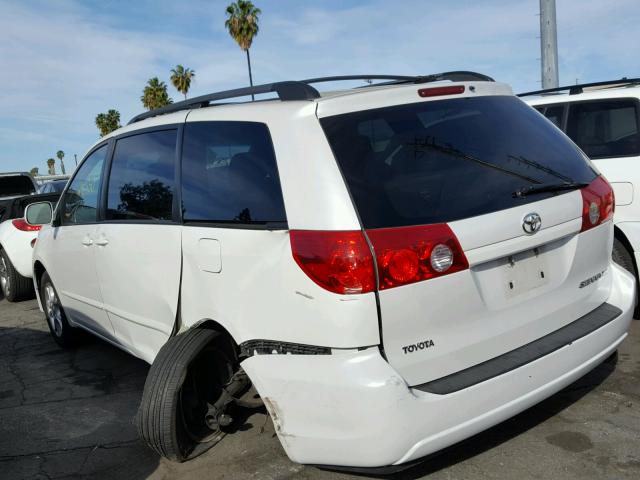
(39, 213)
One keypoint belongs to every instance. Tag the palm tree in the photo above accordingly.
(181, 79)
(107, 123)
(51, 163)
(242, 23)
(60, 155)
(155, 94)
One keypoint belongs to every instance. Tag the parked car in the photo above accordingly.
(54, 186)
(395, 267)
(603, 119)
(16, 245)
(15, 184)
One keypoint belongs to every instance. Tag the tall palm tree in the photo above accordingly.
(242, 23)
(60, 155)
(107, 123)
(155, 94)
(181, 79)
(51, 164)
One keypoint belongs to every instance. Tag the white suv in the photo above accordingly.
(603, 119)
(395, 268)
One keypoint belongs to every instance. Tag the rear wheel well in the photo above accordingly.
(213, 325)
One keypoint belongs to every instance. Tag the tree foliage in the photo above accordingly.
(181, 79)
(108, 122)
(60, 155)
(51, 165)
(242, 22)
(155, 94)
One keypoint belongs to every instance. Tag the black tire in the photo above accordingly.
(623, 257)
(64, 334)
(188, 372)
(15, 287)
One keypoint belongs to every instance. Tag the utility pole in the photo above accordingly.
(549, 43)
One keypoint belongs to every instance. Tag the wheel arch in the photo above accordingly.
(208, 323)
(38, 271)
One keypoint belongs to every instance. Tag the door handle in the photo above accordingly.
(102, 242)
(87, 242)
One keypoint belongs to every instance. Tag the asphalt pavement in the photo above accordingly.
(68, 415)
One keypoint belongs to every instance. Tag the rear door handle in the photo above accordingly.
(87, 242)
(102, 242)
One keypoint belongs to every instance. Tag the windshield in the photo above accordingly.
(440, 161)
(14, 185)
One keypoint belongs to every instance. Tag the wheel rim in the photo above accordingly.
(53, 309)
(207, 375)
(5, 284)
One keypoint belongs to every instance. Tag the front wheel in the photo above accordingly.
(64, 334)
(193, 379)
(623, 257)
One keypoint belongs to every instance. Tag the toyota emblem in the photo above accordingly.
(531, 223)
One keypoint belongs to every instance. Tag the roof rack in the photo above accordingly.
(576, 89)
(456, 76)
(302, 90)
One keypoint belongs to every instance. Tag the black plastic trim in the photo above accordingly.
(528, 353)
(292, 90)
(275, 347)
(576, 89)
(288, 90)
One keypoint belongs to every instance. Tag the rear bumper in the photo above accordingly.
(353, 409)
(17, 244)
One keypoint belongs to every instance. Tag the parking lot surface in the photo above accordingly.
(68, 414)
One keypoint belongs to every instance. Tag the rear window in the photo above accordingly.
(441, 161)
(605, 128)
(16, 185)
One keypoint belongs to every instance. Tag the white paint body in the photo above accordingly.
(129, 283)
(17, 245)
(623, 173)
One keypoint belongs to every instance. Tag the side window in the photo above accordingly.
(377, 131)
(81, 200)
(605, 128)
(555, 114)
(229, 174)
(142, 177)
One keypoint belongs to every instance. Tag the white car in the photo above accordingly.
(395, 267)
(17, 238)
(603, 119)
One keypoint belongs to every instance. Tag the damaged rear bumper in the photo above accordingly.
(353, 409)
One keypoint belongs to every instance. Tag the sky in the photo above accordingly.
(64, 61)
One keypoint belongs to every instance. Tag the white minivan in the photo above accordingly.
(394, 267)
(603, 119)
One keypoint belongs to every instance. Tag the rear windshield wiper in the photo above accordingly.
(548, 187)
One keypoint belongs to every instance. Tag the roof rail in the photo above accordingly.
(457, 76)
(302, 90)
(578, 88)
(284, 90)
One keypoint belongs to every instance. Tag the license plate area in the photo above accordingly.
(524, 271)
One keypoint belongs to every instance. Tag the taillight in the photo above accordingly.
(339, 261)
(412, 254)
(598, 203)
(439, 91)
(21, 224)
